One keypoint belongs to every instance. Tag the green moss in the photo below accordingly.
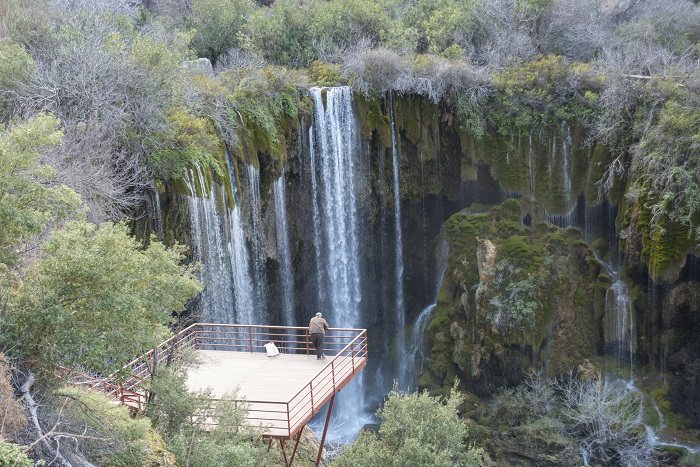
(542, 278)
(373, 120)
(664, 247)
(442, 316)
(510, 210)
(325, 74)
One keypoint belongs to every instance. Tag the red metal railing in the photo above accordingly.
(347, 347)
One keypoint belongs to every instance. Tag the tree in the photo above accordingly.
(416, 429)
(607, 419)
(111, 82)
(29, 200)
(16, 67)
(217, 24)
(185, 421)
(96, 299)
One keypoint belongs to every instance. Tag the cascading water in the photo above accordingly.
(416, 357)
(285, 257)
(256, 239)
(398, 257)
(566, 153)
(619, 326)
(531, 164)
(242, 279)
(158, 227)
(333, 148)
(210, 245)
(219, 243)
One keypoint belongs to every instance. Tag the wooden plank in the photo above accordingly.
(269, 383)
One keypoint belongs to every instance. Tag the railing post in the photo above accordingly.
(289, 421)
(352, 354)
(307, 342)
(250, 338)
(333, 372)
(196, 336)
(311, 390)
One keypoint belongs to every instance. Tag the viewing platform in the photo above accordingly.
(282, 393)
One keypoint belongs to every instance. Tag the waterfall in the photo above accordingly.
(158, 214)
(566, 153)
(256, 241)
(219, 244)
(210, 245)
(531, 165)
(242, 279)
(619, 323)
(333, 147)
(416, 357)
(285, 257)
(398, 257)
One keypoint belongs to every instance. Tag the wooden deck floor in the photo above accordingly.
(277, 388)
(257, 376)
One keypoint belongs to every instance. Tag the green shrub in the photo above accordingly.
(416, 429)
(217, 24)
(13, 455)
(115, 438)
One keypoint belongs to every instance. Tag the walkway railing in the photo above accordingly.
(346, 349)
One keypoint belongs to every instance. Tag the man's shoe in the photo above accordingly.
(323, 356)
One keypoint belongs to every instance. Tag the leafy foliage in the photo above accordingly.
(670, 158)
(185, 140)
(97, 298)
(545, 91)
(16, 68)
(114, 437)
(605, 417)
(12, 454)
(514, 301)
(217, 24)
(28, 201)
(185, 420)
(416, 429)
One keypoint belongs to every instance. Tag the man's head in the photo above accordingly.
(318, 315)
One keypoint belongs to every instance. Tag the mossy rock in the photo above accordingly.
(373, 120)
(565, 288)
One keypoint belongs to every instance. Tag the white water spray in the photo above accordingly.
(398, 257)
(285, 257)
(334, 146)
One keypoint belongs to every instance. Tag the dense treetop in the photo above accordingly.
(132, 116)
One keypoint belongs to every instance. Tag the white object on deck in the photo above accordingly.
(271, 349)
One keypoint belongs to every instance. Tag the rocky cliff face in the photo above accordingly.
(514, 298)
(522, 289)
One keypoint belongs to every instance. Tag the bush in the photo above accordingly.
(13, 455)
(217, 24)
(96, 299)
(114, 438)
(416, 429)
(185, 421)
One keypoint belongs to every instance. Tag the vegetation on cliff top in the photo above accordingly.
(100, 102)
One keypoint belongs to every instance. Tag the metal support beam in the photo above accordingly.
(284, 454)
(325, 430)
(296, 444)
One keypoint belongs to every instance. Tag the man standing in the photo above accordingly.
(317, 329)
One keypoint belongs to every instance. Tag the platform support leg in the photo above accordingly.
(284, 454)
(296, 445)
(325, 430)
